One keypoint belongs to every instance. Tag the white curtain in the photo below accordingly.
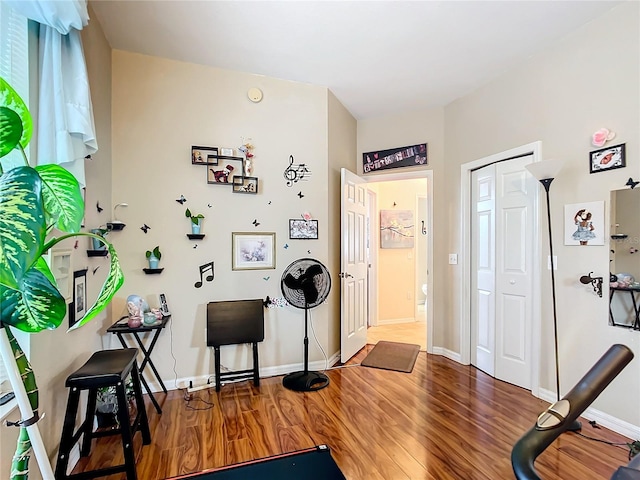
(66, 132)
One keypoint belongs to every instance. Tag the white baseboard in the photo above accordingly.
(392, 321)
(604, 419)
(450, 354)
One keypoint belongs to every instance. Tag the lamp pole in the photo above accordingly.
(546, 183)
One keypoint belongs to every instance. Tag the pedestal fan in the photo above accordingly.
(305, 284)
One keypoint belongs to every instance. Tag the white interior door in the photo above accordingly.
(514, 276)
(503, 196)
(483, 279)
(353, 265)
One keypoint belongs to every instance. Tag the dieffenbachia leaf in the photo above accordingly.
(22, 225)
(114, 281)
(10, 130)
(9, 98)
(63, 202)
(35, 306)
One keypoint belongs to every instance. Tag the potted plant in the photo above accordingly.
(154, 257)
(33, 202)
(195, 221)
(100, 232)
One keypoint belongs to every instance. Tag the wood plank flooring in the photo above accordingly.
(442, 421)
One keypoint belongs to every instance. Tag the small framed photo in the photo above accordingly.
(253, 251)
(223, 173)
(78, 308)
(204, 155)
(243, 184)
(60, 265)
(164, 308)
(608, 158)
(301, 229)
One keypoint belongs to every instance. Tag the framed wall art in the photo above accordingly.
(60, 264)
(411, 156)
(301, 229)
(203, 155)
(223, 173)
(584, 223)
(253, 251)
(396, 229)
(78, 308)
(608, 158)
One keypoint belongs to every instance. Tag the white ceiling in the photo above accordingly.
(377, 57)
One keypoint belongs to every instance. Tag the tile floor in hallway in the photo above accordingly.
(412, 332)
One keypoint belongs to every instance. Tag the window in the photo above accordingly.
(14, 68)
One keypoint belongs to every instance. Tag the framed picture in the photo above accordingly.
(608, 158)
(60, 264)
(203, 155)
(584, 223)
(78, 307)
(245, 184)
(253, 251)
(396, 229)
(301, 229)
(223, 173)
(410, 156)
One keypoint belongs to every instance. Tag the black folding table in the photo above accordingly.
(121, 327)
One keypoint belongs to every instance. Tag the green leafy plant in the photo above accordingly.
(33, 202)
(194, 218)
(155, 252)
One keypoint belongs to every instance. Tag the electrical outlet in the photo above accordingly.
(453, 259)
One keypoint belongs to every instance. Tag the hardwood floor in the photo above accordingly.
(442, 421)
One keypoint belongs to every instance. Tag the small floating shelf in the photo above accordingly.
(150, 271)
(619, 236)
(97, 253)
(195, 236)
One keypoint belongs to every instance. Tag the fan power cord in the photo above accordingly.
(313, 331)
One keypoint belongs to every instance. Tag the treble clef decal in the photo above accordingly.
(295, 173)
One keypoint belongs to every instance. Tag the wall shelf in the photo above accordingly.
(195, 236)
(97, 253)
(150, 271)
(619, 236)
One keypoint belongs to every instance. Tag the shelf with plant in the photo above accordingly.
(33, 202)
(153, 256)
(196, 222)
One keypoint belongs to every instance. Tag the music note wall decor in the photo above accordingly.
(296, 172)
(205, 268)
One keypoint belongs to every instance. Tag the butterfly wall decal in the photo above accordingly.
(209, 205)
(181, 200)
(266, 279)
(98, 207)
(300, 195)
(96, 269)
(75, 245)
(145, 228)
(195, 246)
(631, 183)
(255, 222)
(286, 245)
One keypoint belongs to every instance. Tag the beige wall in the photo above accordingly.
(342, 154)
(411, 128)
(55, 354)
(160, 109)
(560, 98)
(397, 267)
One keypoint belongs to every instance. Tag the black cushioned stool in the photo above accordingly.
(105, 368)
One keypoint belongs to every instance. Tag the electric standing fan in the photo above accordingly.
(305, 284)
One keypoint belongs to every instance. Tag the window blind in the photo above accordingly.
(14, 68)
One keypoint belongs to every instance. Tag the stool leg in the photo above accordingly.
(216, 354)
(256, 372)
(66, 442)
(142, 412)
(87, 426)
(125, 431)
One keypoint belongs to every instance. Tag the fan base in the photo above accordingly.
(305, 382)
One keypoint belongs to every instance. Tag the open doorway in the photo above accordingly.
(398, 257)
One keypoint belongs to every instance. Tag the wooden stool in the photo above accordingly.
(105, 368)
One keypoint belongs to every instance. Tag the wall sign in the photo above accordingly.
(394, 158)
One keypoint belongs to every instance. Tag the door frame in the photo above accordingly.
(372, 274)
(534, 149)
(392, 177)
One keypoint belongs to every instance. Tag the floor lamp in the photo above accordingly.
(545, 172)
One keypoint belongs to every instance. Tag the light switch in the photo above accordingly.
(453, 259)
